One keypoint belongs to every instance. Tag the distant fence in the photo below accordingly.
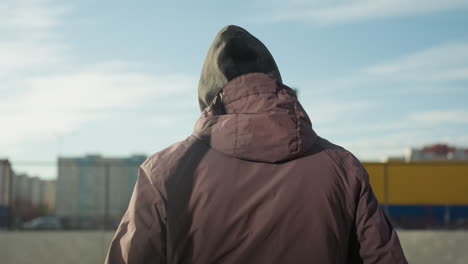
(93, 193)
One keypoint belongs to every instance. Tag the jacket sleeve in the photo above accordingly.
(377, 241)
(141, 235)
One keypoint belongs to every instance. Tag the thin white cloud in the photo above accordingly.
(429, 70)
(442, 63)
(30, 14)
(29, 41)
(413, 121)
(28, 55)
(331, 111)
(57, 104)
(440, 116)
(341, 11)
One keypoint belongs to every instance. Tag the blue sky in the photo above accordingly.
(120, 77)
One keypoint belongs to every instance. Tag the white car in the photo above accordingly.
(44, 223)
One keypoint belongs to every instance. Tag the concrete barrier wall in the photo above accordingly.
(425, 247)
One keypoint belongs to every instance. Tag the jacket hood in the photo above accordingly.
(256, 118)
(234, 52)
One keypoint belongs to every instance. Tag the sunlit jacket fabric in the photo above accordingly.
(254, 184)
